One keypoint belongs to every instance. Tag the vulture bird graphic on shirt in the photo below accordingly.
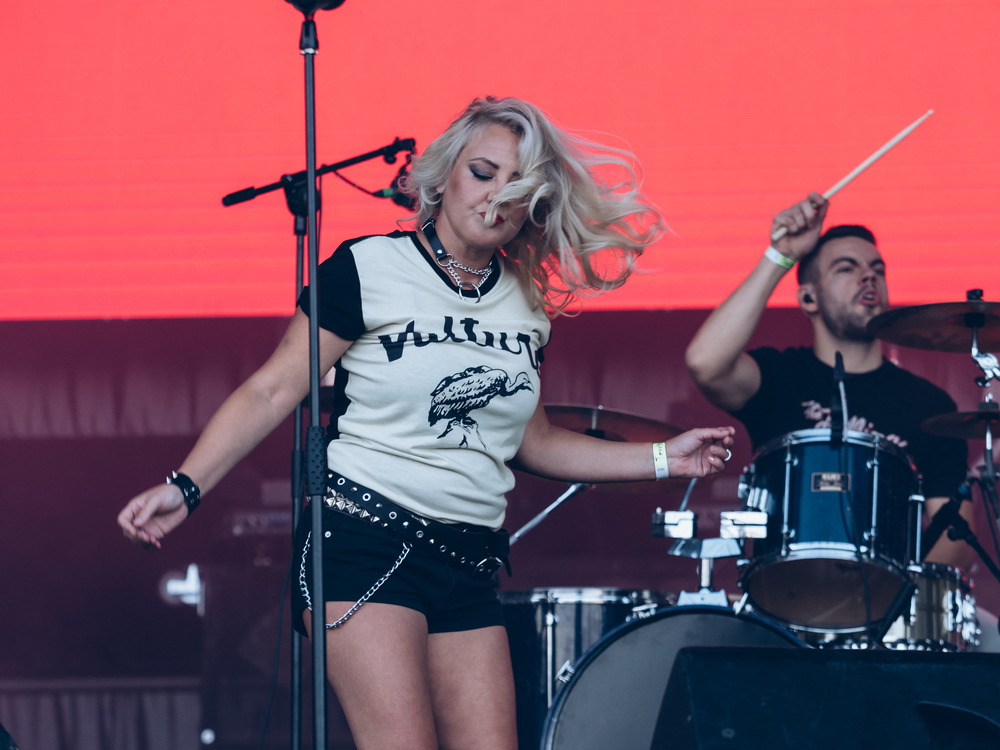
(457, 395)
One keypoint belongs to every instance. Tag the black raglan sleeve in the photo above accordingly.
(339, 302)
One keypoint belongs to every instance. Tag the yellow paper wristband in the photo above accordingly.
(660, 460)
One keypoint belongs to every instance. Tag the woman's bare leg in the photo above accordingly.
(377, 664)
(472, 689)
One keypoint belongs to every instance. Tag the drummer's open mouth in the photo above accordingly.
(869, 297)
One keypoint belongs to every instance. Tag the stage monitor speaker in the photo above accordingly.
(6, 741)
(781, 699)
(242, 589)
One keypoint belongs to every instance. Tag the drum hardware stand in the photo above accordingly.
(574, 489)
(680, 526)
(706, 551)
(960, 531)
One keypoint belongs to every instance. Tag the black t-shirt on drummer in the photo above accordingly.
(795, 393)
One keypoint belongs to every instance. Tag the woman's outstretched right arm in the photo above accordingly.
(250, 413)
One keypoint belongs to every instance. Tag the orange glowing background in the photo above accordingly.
(122, 124)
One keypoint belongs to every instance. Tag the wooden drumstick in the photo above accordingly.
(782, 231)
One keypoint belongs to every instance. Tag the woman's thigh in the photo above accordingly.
(377, 665)
(472, 689)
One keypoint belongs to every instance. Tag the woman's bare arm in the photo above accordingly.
(250, 413)
(716, 359)
(562, 454)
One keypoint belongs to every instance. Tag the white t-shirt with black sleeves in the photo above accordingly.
(433, 396)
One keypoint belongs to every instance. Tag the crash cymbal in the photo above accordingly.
(966, 425)
(621, 427)
(943, 327)
(608, 424)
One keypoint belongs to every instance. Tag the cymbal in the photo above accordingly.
(621, 427)
(942, 327)
(965, 425)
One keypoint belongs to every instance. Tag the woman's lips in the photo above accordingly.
(499, 219)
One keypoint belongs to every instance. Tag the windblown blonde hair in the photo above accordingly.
(587, 222)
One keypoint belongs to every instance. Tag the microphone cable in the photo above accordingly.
(854, 535)
(277, 656)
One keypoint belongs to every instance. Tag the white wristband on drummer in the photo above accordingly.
(778, 259)
(660, 460)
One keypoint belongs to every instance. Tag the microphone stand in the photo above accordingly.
(959, 530)
(295, 187)
(309, 466)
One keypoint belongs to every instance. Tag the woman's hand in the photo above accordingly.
(700, 452)
(150, 516)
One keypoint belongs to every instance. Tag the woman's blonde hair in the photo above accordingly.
(587, 222)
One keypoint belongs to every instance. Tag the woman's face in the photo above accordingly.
(487, 163)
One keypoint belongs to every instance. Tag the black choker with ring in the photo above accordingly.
(447, 261)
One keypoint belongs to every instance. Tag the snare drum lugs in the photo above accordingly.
(942, 613)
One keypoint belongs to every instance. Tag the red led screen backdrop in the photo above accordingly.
(122, 124)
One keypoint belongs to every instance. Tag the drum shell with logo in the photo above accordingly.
(826, 504)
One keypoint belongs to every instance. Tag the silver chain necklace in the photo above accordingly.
(447, 261)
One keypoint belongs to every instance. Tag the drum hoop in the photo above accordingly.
(834, 550)
(940, 571)
(583, 595)
(613, 635)
(823, 434)
(844, 552)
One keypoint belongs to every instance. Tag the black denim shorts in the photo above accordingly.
(356, 554)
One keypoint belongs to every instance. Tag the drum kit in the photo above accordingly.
(830, 544)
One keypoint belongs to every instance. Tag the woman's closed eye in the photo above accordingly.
(479, 175)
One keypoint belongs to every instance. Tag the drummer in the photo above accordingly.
(842, 286)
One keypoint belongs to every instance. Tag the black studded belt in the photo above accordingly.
(479, 551)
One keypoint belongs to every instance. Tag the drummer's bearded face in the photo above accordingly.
(850, 288)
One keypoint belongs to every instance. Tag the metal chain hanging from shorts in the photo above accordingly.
(357, 605)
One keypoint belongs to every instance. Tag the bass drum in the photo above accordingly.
(612, 701)
(549, 629)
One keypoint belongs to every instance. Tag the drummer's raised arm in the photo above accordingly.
(716, 359)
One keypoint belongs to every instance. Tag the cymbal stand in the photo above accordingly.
(989, 410)
(989, 413)
(574, 488)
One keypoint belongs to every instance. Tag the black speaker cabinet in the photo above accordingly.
(241, 619)
(778, 699)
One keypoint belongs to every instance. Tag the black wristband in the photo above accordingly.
(191, 492)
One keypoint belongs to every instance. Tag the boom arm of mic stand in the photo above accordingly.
(960, 530)
(386, 152)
